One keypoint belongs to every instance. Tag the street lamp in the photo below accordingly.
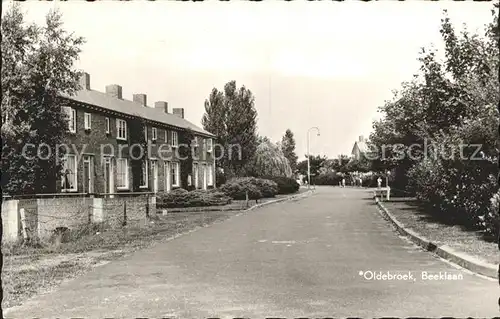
(308, 159)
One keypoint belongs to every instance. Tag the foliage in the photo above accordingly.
(257, 188)
(288, 149)
(232, 117)
(37, 68)
(330, 178)
(220, 178)
(316, 162)
(286, 185)
(268, 160)
(196, 198)
(450, 107)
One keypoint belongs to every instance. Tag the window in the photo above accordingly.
(71, 113)
(107, 126)
(121, 129)
(175, 173)
(175, 139)
(153, 134)
(144, 176)
(195, 141)
(87, 121)
(209, 145)
(69, 176)
(122, 173)
(210, 169)
(145, 133)
(166, 136)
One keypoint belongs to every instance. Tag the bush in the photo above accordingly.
(220, 178)
(196, 198)
(330, 178)
(257, 188)
(286, 185)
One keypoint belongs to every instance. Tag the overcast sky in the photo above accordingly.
(325, 64)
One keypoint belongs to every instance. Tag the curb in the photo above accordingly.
(296, 196)
(444, 251)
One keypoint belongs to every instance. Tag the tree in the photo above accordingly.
(37, 68)
(316, 162)
(233, 118)
(288, 148)
(269, 160)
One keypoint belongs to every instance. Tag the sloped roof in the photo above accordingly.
(362, 147)
(128, 107)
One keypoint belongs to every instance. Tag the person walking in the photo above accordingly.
(343, 182)
(379, 182)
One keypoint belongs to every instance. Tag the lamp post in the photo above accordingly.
(308, 159)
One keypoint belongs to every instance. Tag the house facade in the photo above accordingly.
(117, 145)
(359, 149)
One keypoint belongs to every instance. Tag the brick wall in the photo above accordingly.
(44, 215)
(62, 212)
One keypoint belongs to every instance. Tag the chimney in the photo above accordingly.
(141, 99)
(179, 112)
(162, 105)
(361, 138)
(114, 90)
(85, 81)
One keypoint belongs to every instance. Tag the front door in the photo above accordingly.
(88, 174)
(108, 176)
(196, 176)
(154, 166)
(204, 176)
(167, 177)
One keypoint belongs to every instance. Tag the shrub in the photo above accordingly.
(196, 198)
(220, 178)
(286, 185)
(257, 188)
(330, 178)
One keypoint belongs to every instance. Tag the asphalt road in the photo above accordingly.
(293, 259)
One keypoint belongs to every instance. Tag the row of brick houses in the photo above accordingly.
(100, 139)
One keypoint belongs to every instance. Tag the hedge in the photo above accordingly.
(196, 198)
(257, 188)
(286, 185)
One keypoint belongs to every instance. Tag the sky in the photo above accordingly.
(309, 64)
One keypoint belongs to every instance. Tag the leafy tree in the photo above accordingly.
(37, 68)
(233, 118)
(316, 162)
(269, 160)
(288, 148)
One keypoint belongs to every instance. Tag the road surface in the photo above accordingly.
(293, 259)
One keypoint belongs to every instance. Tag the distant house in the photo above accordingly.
(359, 149)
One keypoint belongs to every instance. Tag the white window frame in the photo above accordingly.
(118, 130)
(71, 112)
(118, 160)
(146, 133)
(177, 173)
(145, 180)
(175, 139)
(75, 174)
(210, 145)
(108, 125)
(154, 134)
(195, 142)
(166, 137)
(87, 121)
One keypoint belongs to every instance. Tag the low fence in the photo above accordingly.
(38, 217)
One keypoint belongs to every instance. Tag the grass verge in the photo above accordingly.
(474, 243)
